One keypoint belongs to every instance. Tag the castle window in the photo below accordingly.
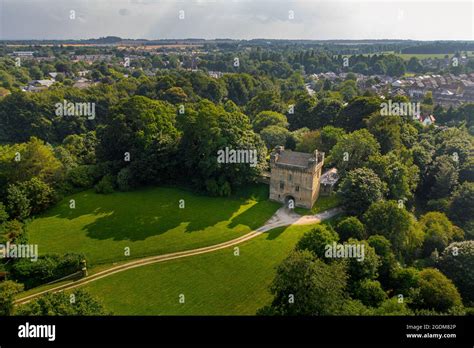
(282, 185)
(297, 188)
(290, 178)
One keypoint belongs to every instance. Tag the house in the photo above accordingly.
(83, 73)
(42, 83)
(295, 177)
(328, 181)
(426, 120)
(82, 83)
(23, 53)
(38, 85)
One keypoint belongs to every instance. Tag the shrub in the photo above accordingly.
(46, 269)
(124, 179)
(82, 176)
(59, 303)
(105, 185)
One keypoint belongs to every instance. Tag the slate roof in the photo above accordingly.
(294, 158)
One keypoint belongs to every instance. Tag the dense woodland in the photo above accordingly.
(407, 189)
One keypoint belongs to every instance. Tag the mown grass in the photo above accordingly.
(218, 283)
(148, 222)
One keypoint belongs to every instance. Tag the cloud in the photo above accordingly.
(244, 19)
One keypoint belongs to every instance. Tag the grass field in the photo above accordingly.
(148, 221)
(323, 203)
(218, 283)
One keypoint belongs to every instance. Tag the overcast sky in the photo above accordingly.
(237, 19)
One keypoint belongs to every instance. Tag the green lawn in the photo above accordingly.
(148, 221)
(217, 283)
(322, 203)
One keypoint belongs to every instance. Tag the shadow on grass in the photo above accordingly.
(275, 233)
(141, 214)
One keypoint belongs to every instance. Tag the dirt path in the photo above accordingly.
(283, 217)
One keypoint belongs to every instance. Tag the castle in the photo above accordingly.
(295, 176)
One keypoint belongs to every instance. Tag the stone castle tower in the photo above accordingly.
(295, 176)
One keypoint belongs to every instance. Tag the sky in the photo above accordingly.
(238, 19)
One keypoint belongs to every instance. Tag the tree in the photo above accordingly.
(309, 142)
(3, 213)
(324, 113)
(351, 227)
(329, 137)
(59, 303)
(359, 189)
(18, 204)
(317, 239)
(457, 263)
(398, 172)
(370, 292)
(436, 292)
(36, 159)
(269, 118)
(8, 290)
(144, 131)
(305, 285)
(353, 150)
(387, 130)
(366, 268)
(274, 136)
(209, 129)
(13, 231)
(462, 207)
(352, 117)
(265, 101)
(175, 95)
(388, 219)
(389, 265)
(301, 116)
(81, 147)
(438, 232)
(406, 281)
(444, 175)
(40, 194)
(414, 65)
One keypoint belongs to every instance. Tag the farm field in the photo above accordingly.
(148, 222)
(218, 283)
